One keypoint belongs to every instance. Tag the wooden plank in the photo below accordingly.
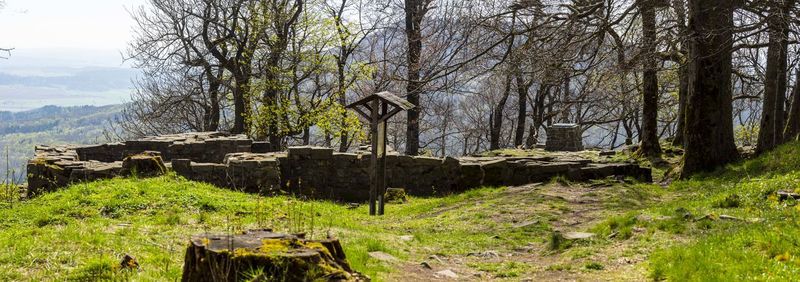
(396, 101)
(385, 96)
(362, 113)
(389, 115)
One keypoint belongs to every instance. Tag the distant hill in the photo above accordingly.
(20, 132)
(29, 87)
(84, 79)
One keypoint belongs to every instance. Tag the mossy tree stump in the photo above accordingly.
(260, 255)
(145, 164)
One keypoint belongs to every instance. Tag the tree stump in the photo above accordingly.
(261, 255)
(146, 164)
(396, 196)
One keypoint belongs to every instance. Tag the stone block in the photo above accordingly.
(182, 167)
(427, 161)
(309, 152)
(472, 176)
(496, 173)
(564, 137)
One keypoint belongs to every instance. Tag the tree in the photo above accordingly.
(350, 34)
(793, 124)
(415, 11)
(497, 115)
(229, 37)
(275, 23)
(680, 14)
(709, 127)
(650, 145)
(182, 86)
(773, 116)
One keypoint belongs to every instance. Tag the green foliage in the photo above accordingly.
(293, 94)
(746, 135)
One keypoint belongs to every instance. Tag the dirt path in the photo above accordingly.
(564, 208)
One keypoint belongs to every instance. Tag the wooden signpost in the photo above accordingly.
(375, 108)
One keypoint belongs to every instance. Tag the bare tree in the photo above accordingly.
(773, 117)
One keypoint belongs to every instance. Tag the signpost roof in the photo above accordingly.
(386, 97)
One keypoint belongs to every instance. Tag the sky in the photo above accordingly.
(61, 28)
(54, 38)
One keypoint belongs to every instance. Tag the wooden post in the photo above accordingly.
(381, 169)
(378, 113)
(373, 174)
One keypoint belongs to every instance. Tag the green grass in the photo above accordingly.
(510, 269)
(83, 231)
(763, 245)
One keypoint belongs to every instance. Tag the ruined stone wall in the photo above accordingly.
(228, 161)
(321, 173)
(210, 147)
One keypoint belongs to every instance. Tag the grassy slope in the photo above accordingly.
(764, 246)
(81, 232)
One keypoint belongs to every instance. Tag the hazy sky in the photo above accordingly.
(63, 38)
(48, 28)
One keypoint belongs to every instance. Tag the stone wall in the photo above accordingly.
(228, 161)
(200, 147)
(564, 137)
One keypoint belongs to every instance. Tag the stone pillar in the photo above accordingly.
(564, 137)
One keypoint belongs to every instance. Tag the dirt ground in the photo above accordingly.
(568, 208)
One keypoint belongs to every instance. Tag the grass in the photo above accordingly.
(587, 154)
(680, 232)
(762, 245)
(84, 230)
(510, 269)
(728, 225)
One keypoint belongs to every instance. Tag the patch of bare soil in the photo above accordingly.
(564, 208)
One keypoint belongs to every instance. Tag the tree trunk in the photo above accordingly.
(344, 143)
(270, 98)
(628, 133)
(793, 125)
(240, 105)
(306, 136)
(328, 140)
(683, 91)
(212, 117)
(683, 72)
(443, 141)
(414, 10)
(649, 135)
(565, 104)
(538, 115)
(497, 117)
(522, 110)
(709, 109)
(772, 118)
